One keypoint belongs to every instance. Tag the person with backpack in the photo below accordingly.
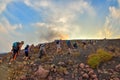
(75, 46)
(58, 45)
(16, 50)
(26, 52)
(42, 50)
(69, 45)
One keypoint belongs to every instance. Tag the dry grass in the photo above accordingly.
(76, 54)
(45, 58)
(61, 69)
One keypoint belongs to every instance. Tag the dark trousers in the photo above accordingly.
(41, 53)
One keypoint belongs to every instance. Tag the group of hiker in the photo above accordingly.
(16, 48)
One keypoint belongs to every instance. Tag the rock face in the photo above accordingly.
(117, 68)
(41, 73)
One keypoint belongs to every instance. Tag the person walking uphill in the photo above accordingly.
(58, 45)
(68, 42)
(26, 52)
(16, 50)
(42, 50)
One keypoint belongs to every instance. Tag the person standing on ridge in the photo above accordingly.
(69, 45)
(58, 45)
(42, 50)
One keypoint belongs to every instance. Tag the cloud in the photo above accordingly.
(115, 13)
(119, 2)
(8, 34)
(111, 26)
(3, 4)
(6, 27)
(50, 32)
(59, 19)
(37, 4)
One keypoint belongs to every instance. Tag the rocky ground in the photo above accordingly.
(64, 66)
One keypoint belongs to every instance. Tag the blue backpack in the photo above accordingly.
(15, 45)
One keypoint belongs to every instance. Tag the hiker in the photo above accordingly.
(26, 52)
(75, 46)
(42, 50)
(0, 60)
(16, 50)
(68, 42)
(84, 44)
(58, 45)
(32, 48)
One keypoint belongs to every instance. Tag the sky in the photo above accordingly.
(37, 21)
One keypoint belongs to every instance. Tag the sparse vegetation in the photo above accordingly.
(94, 60)
(76, 54)
(45, 58)
(61, 69)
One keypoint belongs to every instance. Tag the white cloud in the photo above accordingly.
(119, 2)
(111, 27)
(7, 27)
(3, 4)
(114, 12)
(8, 34)
(36, 4)
(60, 18)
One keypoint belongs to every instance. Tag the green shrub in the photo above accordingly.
(105, 56)
(94, 60)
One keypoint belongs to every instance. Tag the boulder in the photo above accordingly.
(61, 79)
(91, 72)
(41, 73)
(117, 67)
(66, 72)
(82, 65)
(94, 76)
(85, 75)
(50, 78)
(23, 77)
(87, 66)
(61, 64)
(0, 61)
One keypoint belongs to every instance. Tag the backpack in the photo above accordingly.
(15, 45)
(57, 42)
(75, 45)
(68, 42)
